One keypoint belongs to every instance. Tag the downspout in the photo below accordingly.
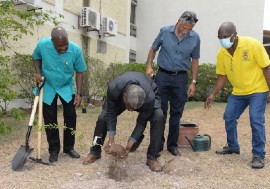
(85, 48)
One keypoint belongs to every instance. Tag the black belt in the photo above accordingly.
(171, 72)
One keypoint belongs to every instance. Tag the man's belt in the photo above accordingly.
(172, 72)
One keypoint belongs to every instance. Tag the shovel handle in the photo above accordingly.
(40, 85)
(34, 109)
(40, 118)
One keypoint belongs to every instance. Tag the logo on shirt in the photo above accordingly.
(245, 55)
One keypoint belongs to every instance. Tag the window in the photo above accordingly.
(132, 56)
(133, 18)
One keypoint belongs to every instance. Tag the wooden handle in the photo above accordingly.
(40, 118)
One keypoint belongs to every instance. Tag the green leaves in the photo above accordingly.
(16, 23)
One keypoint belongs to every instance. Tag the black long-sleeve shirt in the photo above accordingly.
(115, 101)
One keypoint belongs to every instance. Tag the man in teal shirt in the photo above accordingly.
(57, 59)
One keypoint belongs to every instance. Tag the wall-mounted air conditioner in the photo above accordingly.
(27, 5)
(90, 18)
(109, 26)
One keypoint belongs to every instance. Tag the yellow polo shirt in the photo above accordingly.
(244, 68)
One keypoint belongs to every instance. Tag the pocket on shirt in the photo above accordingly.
(68, 67)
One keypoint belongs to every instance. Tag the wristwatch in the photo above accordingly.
(194, 81)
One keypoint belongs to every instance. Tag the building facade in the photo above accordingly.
(139, 21)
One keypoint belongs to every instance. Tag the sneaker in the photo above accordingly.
(91, 159)
(257, 163)
(227, 150)
(154, 165)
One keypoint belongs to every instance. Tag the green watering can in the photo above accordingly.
(201, 142)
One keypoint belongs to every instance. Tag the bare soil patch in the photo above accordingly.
(191, 170)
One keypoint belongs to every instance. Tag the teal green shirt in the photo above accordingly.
(58, 69)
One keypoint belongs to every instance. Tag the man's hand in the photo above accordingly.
(38, 78)
(150, 71)
(129, 146)
(191, 89)
(77, 100)
(109, 144)
(209, 101)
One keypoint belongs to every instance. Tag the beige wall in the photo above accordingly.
(114, 54)
(116, 9)
(52, 2)
(73, 6)
(27, 44)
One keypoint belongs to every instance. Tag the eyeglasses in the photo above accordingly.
(190, 18)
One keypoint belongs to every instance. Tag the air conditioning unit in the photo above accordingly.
(90, 18)
(26, 5)
(109, 26)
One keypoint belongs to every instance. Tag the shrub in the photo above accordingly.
(206, 82)
(100, 77)
(7, 79)
(17, 113)
(5, 129)
(23, 65)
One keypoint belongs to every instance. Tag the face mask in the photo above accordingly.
(226, 43)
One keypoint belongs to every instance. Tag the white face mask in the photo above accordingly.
(226, 43)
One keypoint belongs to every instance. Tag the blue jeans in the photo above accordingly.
(235, 107)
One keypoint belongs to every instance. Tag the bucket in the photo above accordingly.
(187, 129)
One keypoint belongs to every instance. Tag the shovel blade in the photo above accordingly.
(20, 157)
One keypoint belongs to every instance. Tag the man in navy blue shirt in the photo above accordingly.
(179, 51)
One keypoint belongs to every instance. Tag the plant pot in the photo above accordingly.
(189, 130)
(84, 110)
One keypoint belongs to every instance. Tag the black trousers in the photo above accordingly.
(173, 90)
(157, 125)
(50, 119)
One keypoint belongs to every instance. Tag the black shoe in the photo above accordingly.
(137, 144)
(72, 153)
(53, 157)
(175, 152)
(257, 163)
(227, 150)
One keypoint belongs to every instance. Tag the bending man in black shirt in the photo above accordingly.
(133, 91)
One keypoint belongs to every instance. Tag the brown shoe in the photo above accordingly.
(154, 165)
(91, 159)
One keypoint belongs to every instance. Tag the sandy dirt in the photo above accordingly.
(191, 170)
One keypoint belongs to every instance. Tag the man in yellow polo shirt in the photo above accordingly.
(244, 62)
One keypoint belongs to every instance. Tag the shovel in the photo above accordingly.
(39, 132)
(24, 152)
